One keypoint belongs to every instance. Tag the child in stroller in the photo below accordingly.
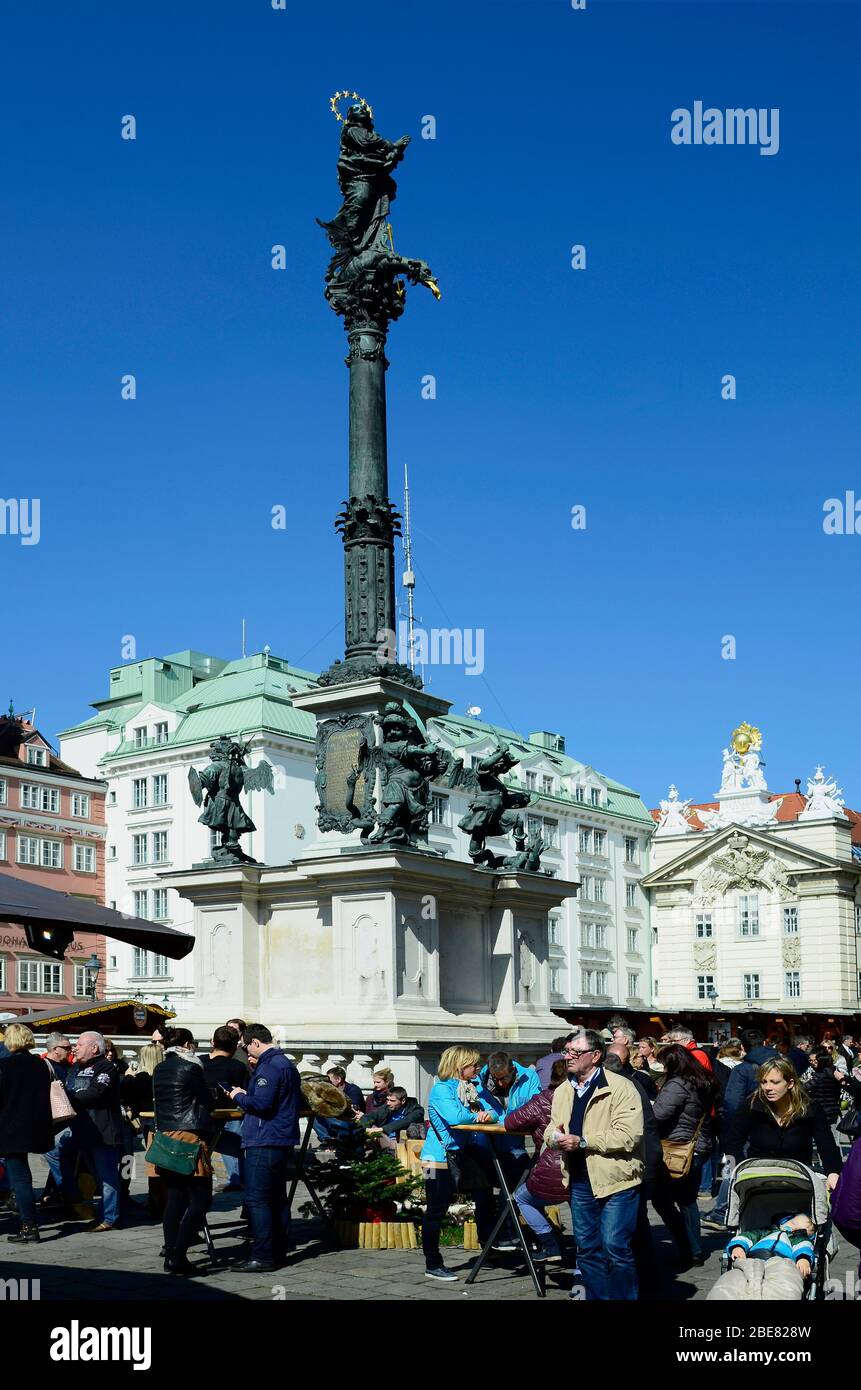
(782, 1239)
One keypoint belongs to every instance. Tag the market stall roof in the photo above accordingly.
(45, 911)
(111, 1016)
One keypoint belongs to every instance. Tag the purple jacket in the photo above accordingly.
(846, 1197)
(544, 1067)
(545, 1175)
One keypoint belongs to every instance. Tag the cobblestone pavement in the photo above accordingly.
(72, 1263)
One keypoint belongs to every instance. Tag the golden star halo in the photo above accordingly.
(348, 96)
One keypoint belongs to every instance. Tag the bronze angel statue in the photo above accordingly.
(494, 810)
(407, 762)
(218, 789)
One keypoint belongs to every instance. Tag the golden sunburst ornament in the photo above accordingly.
(335, 101)
(745, 738)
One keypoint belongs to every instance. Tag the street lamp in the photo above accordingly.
(712, 994)
(92, 967)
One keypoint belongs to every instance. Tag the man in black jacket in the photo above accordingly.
(93, 1086)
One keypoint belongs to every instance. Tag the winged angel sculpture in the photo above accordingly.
(495, 810)
(743, 867)
(218, 789)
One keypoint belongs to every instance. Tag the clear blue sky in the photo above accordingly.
(554, 387)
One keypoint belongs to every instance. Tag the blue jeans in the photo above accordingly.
(336, 1132)
(52, 1157)
(604, 1231)
(532, 1210)
(18, 1168)
(266, 1169)
(234, 1164)
(717, 1211)
(105, 1159)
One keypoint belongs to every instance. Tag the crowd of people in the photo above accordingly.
(606, 1123)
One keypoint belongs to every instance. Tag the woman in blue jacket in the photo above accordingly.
(453, 1100)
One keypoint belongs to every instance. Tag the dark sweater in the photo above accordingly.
(755, 1125)
(26, 1125)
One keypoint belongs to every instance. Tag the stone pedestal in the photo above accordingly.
(388, 954)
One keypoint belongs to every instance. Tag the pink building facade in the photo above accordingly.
(52, 832)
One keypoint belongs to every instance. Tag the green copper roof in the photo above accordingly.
(255, 693)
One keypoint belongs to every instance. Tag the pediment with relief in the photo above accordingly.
(743, 865)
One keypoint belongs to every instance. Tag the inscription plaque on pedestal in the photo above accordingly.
(345, 780)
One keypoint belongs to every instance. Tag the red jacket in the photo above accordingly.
(702, 1057)
(545, 1175)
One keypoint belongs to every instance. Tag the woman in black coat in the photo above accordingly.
(823, 1085)
(781, 1121)
(683, 1112)
(26, 1123)
(183, 1105)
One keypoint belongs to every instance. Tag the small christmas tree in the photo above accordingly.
(350, 1191)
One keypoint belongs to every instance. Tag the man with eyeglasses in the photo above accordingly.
(597, 1124)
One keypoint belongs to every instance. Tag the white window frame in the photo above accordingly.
(159, 783)
(703, 926)
(632, 855)
(439, 810)
(703, 983)
(554, 931)
(32, 855)
(584, 839)
(44, 972)
(601, 978)
(3, 973)
(792, 984)
(140, 902)
(49, 851)
(35, 795)
(547, 785)
(588, 978)
(789, 918)
(4, 791)
(159, 895)
(600, 936)
(630, 893)
(137, 841)
(37, 756)
(580, 793)
(858, 919)
(633, 937)
(160, 969)
(2, 844)
(556, 973)
(140, 963)
(81, 986)
(594, 796)
(751, 982)
(82, 800)
(748, 916)
(85, 853)
(532, 781)
(633, 984)
(140, 796)
(141, 734)
(159, 836)
(161, 733)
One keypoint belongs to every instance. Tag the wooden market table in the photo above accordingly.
(509, 1208)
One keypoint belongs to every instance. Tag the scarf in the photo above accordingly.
(467, 1094)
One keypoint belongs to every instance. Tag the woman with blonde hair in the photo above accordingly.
(382, 1082)
(781, 1121)
(26, 1123)
(450, 1161)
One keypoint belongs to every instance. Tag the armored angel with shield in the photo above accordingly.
(218, 789)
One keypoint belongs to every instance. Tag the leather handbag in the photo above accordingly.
(467, 1173)
(62, 1109)
(678, 1157)
(176, 1155)
(849, 1122)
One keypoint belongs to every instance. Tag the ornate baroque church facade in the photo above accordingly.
(755, 903)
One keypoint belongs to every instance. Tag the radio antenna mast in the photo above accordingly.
(409, 579)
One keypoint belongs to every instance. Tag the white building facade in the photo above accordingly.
(756, 909)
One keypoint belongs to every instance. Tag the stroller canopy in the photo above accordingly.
(762, 1188)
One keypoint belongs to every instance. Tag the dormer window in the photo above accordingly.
(595, 796)
(36, 756)
(531, 781)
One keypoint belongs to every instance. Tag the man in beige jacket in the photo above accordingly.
(597, 1124)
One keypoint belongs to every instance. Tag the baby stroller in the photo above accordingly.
(762, 1189)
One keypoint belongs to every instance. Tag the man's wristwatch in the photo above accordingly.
(582, 1144)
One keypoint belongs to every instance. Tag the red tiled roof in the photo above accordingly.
(792, 804)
